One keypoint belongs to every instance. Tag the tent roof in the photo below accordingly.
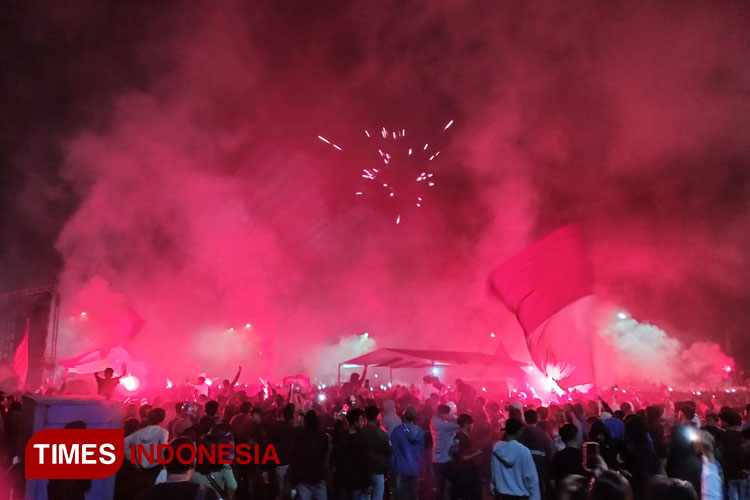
(417, 358)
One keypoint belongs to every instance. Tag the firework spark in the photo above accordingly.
(328, 142)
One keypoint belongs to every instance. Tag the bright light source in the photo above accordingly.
(435, 370)
(169, 384)
(130, 383)
(376, 375)
(321, 397)
(727, 368)
(698, 393)
(83, 314)
(231, 329)
(365, 335)
(248, 325)
(390, 385)
(492, 335)
(622, 315)
(670, 389)
(484, 389)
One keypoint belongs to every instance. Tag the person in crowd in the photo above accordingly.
(355, 383)
(177, 416)
(683, 459)
(216, 475)
(390, 419)
(428, 388)
(201, 388)
(735, 459)
(379, 452)
(712, 484)
(514, 473)
(606, 485)
(689, 417)
(497, 420)
(464, 475)
(655, 426)
(616, 427)
(107, 384)
(227, 386)
(241, 423)
(442, 428)
(307, 468)
(185, 421)
(69, 489)
(212, 409)
(465, 391)
(568, 460)
(149, 437)
(143, 412)
(408, 444)
(641, 461)
(283, 436)
(350, 458)
(540, 445)
(178, 485)
(667, 488)
(712, 426)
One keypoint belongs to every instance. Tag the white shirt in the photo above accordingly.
(711, 486)
(427, 391)
(149, 437)
(202, 388)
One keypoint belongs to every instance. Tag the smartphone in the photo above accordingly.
(590, 456)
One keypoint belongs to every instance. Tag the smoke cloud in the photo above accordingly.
(204, 201)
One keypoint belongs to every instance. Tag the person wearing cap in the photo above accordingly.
(407, 440)
(514, 475)
(442, 428)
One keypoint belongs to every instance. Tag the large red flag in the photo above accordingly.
(545, 285)
(21, 357)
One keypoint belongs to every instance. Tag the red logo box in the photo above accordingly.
(74, 453)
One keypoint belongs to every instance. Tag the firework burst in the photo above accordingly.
(400, 171)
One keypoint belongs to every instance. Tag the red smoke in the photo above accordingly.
(207, 201)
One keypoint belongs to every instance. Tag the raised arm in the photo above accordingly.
(362, 377)
(236, 377)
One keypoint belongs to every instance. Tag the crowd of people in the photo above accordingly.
(356, 442)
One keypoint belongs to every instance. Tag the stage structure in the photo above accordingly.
(36, 312)
(500, 363)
